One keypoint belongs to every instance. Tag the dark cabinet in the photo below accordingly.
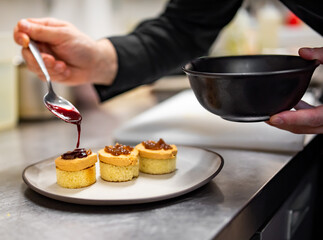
(294, 219)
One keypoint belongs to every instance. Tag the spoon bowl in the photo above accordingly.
(62, 108)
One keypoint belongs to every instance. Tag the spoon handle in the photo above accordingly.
(34, 49)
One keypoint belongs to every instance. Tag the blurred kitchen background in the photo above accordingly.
(259, 27)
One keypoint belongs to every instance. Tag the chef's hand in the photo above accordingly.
(306, 119)
(70, 56)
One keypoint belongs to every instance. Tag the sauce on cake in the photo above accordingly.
(157, 145)
(118, 149)
(76, 153)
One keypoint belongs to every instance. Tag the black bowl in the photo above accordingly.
(249, 88)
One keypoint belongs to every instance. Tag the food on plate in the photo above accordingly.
(157, 157)
(118, 163)
(76, 169)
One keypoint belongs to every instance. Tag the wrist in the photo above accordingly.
(106, 63)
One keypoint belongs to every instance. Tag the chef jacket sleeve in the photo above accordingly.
(185, 30)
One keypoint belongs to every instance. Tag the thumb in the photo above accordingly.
(42, 32)
(312, 53)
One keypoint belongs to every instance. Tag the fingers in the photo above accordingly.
(312, 53)
(56, 69)
(40, 30)
(28, 26)
(21, 38)
(304, 121)
(48, 22)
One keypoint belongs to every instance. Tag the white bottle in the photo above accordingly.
(269, 22)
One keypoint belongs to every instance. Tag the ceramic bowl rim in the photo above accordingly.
(313, 64)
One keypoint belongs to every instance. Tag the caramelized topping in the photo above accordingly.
(76, 153)
(118, 149)
(156, 145)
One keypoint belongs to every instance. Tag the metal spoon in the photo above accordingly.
(56, 104)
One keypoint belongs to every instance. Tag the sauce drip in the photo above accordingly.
(76, 153)
(68, 115)
(156, 145)
(118, 149)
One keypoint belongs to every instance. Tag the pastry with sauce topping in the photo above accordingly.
(76, 169)
(157, 157)
(118, 163)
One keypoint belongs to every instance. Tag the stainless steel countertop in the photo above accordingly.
(202, 214)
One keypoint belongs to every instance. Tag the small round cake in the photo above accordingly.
(157, 157)
(76, 169)
(118, 163)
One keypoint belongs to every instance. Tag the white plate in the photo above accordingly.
(195, 167)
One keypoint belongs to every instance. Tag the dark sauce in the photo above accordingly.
(156, 145)
(118, 149)
(76, 153)
(68, 115)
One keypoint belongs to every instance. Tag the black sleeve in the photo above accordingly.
(185, 30)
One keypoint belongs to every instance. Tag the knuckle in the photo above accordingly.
(39, 30)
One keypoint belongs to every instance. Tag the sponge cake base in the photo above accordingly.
(157, 166)
(76, 179)
(114, 173)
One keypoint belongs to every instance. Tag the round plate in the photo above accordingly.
(194, 168)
